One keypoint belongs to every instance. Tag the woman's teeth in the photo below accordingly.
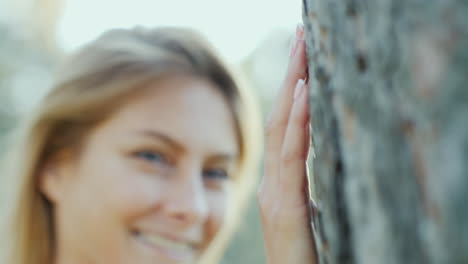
(171, 246)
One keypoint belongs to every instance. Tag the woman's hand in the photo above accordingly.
(283, 196)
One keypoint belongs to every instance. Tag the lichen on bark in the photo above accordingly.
(389, 107)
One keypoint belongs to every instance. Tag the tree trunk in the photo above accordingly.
(389, 106)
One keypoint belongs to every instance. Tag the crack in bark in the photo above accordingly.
(345, 254)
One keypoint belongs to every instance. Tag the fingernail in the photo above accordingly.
(292, 46)
(300, 33)
(299, 88)
(299, 29)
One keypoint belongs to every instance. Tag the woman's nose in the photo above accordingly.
(187, 203)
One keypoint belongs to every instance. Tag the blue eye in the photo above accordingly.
(216, 174)
(152, 156)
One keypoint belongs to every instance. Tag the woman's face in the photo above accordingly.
(151, 184)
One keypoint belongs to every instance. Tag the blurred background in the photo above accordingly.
(252, 35)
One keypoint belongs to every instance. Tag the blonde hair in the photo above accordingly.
(90, 86)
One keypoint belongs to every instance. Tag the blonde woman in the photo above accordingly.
(143, 152)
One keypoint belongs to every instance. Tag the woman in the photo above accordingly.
(143, 152)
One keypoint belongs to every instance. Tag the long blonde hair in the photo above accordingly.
(90, 85)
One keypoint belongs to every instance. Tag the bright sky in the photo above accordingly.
(235, 27)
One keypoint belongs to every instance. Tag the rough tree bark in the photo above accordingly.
(389, 105)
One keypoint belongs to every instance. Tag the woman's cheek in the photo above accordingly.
(219, 205)
(139, 191)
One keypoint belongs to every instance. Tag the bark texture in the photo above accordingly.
(389, 106)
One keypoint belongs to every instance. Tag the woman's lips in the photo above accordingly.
(178, 250)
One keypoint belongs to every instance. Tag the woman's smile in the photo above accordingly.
(178, 249)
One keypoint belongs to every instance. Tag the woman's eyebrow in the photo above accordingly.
(162, 137)
(166, 139)
(224, 157)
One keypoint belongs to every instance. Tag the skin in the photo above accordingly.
(147, 185)
(158, 168)
(282, 195)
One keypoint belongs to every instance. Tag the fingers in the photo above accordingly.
(278, 120)
(283, 193)
(296, 143)
(297, 68)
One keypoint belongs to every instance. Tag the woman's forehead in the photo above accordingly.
(187, 109)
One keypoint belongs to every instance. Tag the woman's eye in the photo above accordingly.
(152, 156)
(215, 174)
